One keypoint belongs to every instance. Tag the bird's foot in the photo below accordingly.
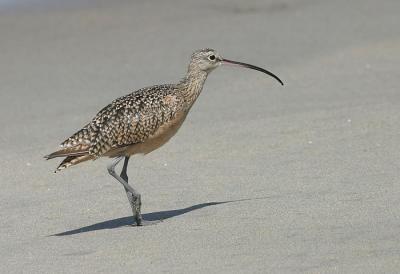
(138, 218)
(136, 204)
(144, 222)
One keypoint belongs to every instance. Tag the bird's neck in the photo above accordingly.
(192, 85)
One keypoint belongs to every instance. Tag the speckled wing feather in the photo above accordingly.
(127, 120)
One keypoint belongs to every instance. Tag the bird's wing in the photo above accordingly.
(127, 120)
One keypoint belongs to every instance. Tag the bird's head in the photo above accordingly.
(205, 60)
(208, 59)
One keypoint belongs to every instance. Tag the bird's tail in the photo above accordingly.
(73, 160)
(72, 156)
(78, 150)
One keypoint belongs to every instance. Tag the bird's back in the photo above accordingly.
(128, 120)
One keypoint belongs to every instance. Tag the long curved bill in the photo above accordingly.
(226, 61)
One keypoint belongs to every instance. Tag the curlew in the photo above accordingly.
(141, 122)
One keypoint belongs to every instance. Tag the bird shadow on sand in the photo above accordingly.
(153, 217)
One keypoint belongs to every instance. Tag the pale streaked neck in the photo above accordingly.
(192, 85)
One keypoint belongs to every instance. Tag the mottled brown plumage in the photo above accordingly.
(141, 121)
(129, 120)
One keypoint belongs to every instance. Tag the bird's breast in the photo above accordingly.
(161, 136)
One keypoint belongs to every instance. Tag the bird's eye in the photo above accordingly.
(211, 57)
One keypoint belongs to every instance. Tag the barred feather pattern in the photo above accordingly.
(128, 120)
(149, 116)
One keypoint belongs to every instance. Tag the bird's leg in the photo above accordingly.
(133, 195)
(134, 200)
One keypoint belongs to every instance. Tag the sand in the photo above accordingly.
(260, 178)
